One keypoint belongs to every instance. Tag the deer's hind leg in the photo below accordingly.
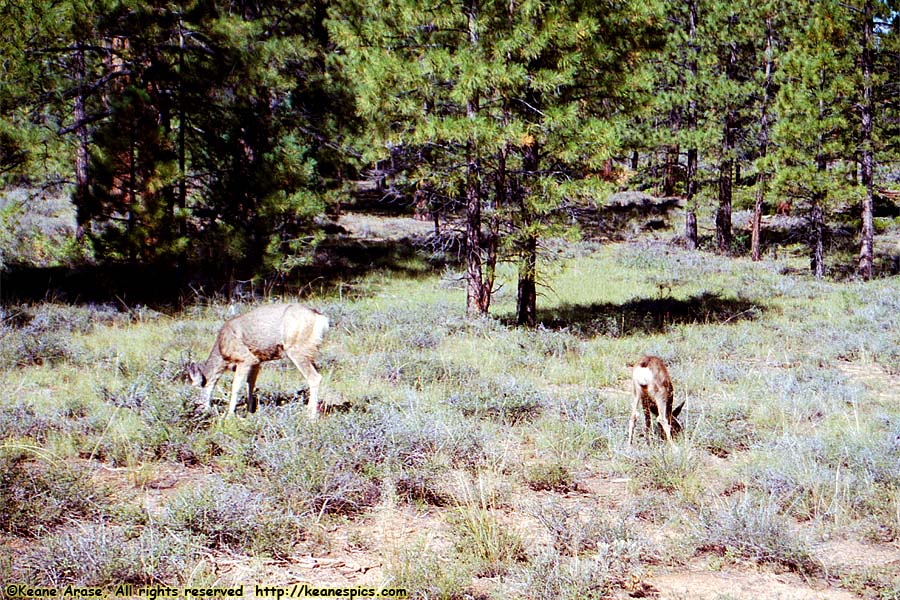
(636, 407)
(664, 416)
(251, 385)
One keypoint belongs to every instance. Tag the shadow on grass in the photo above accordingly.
(647, 316)
(625, 214)
(336, 263)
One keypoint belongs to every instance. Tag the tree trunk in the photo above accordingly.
(690, 217)
(817, 238)
(690, 176)
(182, 136)
(475, 288)
(817, 219)
(478, 296)
(723, 213)
(726, 167)
(82, 151)
(132, 192)
(867, 243)
(526, 299)
(761, 178)
(670, 172)
(756, 223)
(180, 217)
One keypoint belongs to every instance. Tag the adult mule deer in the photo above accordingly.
(652, 390)
(266, 333)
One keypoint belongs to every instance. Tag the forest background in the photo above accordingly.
(208, 141)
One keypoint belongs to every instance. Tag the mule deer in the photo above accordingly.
(652, 390)
(266, 333)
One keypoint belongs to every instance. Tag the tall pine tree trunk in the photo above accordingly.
(477, 300)
(690, 218)
(817, 223)
(690, 184)
(82, 150)
(132, 193)
(867, 250)
(670, 172)
(182, 157)
(756, 222)
(723, 212)
(478, 296)
(762, 176)
(526, 298)
(672, 153)
(726, 167)
(817, 238)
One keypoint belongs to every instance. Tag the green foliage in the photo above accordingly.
(100, 556)
(185, 119)
(816, 87)
(589, 559)
(426, 575)
(532, 93)
(37, 228)
(35, 497)
(480, 535)
(232, 517)
(750, 528)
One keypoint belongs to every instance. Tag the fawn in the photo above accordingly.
(652, 390)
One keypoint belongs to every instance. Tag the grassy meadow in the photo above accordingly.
(470, 458)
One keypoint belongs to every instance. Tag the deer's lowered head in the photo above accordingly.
(265, 333)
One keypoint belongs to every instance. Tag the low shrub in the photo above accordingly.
(506, 401)
(748, 527)
(233, 517)
(37, 497)
(427, 574)
(97, 555)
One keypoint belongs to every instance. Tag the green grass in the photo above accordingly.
(790, 430)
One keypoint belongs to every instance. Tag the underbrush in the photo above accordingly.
(38, 495)
(748, 527)
(99, 555)
(232, 517)
(511, 441)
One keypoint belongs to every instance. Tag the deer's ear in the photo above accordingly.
(196, 375)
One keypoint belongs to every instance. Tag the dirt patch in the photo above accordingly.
(341, 554)
(842, 554)
(154, 487)
(697, 583)
(873, 376)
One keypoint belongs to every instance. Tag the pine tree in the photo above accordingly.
(216, 122)
(764, 103)
(731, 30)
(508, 106)
(704, 97)
(680, 92)
(872, 82)
(569, 114)
(816, 88)
(420, 82)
